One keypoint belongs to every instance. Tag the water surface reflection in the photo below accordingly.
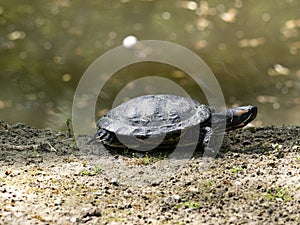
(45, 47)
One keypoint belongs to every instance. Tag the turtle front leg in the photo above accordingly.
(207, 137)
(208, 145)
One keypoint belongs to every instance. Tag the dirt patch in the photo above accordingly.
(46, 179)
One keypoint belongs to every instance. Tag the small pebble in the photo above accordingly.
(176, 197)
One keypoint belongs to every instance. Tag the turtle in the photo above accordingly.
(164, 121)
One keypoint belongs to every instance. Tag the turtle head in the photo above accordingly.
(239, 117)
(235, 117)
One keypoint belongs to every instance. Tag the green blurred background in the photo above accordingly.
(253, 48)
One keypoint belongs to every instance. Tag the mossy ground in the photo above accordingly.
(45, 179)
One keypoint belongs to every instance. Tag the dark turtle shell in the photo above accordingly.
(153, 121)
(154, 115)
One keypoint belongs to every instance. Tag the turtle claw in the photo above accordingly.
(92, 140)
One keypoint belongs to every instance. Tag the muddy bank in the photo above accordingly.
(46, 179)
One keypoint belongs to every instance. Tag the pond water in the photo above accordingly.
(252, 47)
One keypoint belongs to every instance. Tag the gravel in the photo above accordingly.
(48, 178)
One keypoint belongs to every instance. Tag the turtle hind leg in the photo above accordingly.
(101, 135)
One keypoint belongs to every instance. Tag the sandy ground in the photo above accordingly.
(46, 179)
